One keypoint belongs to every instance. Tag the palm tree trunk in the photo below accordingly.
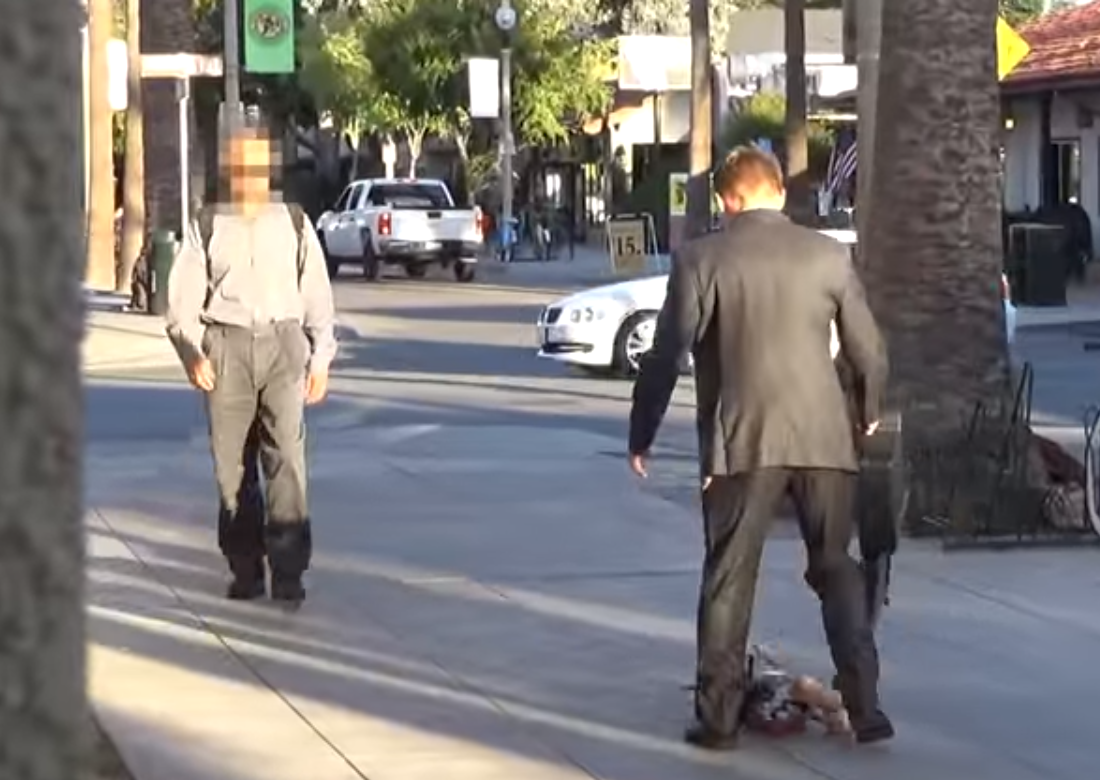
(133, 184)
(702, 119)
(797, 134)
(933, 251)
(43, 711)
(100, 273)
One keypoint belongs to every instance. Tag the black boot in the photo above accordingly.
(702, 737)
(287, 589)
(248, 578)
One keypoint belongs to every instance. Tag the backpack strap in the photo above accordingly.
(298, 219)
(205, 219)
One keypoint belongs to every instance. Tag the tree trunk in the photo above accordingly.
(100, 270)
(797, 134)
(702, 118)
(934, 251)
(462, 144)
(415, 141)
(43, 712)
(168, 27)
(389, 154)
(133, 183)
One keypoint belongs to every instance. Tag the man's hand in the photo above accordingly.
(201, 374)
(316, 387)
(870, 429)
(637, 462)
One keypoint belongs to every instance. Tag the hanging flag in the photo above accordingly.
(843, 166)
(269, 36)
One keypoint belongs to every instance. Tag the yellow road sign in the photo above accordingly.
(1011, 48)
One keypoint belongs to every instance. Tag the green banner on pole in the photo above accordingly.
(269, 36)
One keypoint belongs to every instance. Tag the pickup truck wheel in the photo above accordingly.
(372, 266)
(416, 270)
(465, 272)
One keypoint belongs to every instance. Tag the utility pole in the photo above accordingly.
(505, 19)
(231, 33)
(702, 118)
(868, 47)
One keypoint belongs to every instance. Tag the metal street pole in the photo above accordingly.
(507, 139)
(232, 65)
(183, 94)
(506, 20)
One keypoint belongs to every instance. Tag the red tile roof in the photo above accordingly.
(1065, 46)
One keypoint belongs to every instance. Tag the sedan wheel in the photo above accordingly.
(634, 340)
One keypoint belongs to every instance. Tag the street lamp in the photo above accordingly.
(505, 19)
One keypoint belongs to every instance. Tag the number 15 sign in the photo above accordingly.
(630, 238)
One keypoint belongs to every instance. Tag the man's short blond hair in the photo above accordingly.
(748, 171)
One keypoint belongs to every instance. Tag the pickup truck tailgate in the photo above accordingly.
(434, 225)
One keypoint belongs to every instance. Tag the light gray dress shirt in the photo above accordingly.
(251, 279)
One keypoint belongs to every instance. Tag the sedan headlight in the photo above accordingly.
(586, 314)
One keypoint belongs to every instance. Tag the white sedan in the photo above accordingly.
(610, 328)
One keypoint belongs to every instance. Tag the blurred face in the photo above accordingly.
(249, 164)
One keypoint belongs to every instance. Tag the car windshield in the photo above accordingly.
(410, 195)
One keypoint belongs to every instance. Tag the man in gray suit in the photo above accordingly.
(753, 304)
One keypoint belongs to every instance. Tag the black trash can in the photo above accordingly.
(163, 255)
(1038, 263)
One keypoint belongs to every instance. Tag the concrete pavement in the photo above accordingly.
(494, 597)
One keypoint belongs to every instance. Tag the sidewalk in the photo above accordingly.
(505, 603)
(119, 339)
(589, 267)
(1083, 306)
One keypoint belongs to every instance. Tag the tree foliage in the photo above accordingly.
(1017, 12)
(400, 66)
(763, 116)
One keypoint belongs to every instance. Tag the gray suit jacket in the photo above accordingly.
(753, 304)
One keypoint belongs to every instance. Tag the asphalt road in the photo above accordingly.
(428, 352)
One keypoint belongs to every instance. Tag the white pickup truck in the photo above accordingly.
(408, 222)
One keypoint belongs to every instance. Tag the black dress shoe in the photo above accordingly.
(702, 737)
(288, 590)
(877, 728)
(248, 579)
(246, 590)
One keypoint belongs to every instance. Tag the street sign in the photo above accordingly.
(629, 239)
(180, 66)
(484, 76)
(677, 194)
(1011, 48)
(118, 90)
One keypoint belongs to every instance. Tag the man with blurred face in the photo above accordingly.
(251, 315)
(753, 303)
